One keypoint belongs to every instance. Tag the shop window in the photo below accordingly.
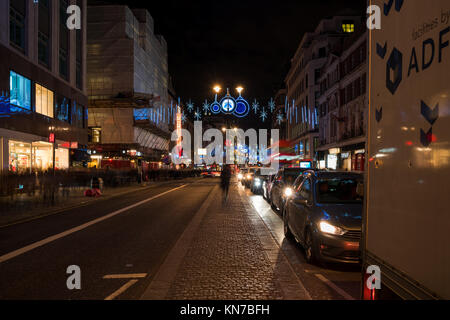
(42, 155)
(62, 109)
(19, 156)
(61, 158)
(307, 146)
(20, 90)
(44, 101)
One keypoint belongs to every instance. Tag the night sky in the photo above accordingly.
(236, 42)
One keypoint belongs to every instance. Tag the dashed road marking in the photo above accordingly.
(125, 276)
(55, 237)
(121, 290)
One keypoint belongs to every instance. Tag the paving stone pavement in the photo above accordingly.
(231, 256)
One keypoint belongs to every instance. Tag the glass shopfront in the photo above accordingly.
(42, 156)
(19, 156)
(62, 158)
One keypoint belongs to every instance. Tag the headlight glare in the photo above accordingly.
(288, 192)
(326, 227)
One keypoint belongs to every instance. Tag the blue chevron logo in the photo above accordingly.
(381, 51)
(379, 114)
(426, 137)
(430, 115)
(388, 6)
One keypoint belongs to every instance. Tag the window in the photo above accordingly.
(348, 27)
(63, 72)
(43, 49)
(20, 90)
(307, 146)
(17, 23)
(63, 40)
(340, 191)
(96, 135)
(78, 115)
(79, 55)
(62, 109)
(44, 101)
(322, 52)
(44, 33)
(305, 191)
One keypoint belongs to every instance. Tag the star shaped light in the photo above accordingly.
(271, 105)
(190, 106)
(280, 118)
(205, 106)
(198, 115)
(263, 115)
(183, 117)
(255, 106)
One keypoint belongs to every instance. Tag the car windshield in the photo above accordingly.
(341, 190)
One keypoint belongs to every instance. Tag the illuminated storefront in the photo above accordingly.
(19, 156)
(62, 158)
(42, 155)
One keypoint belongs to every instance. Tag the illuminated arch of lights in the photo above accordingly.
(238, 107)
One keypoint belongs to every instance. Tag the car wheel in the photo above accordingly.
(287, 231)
(310, 254)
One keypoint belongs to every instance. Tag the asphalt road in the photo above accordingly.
(127, 238)
(134, 241)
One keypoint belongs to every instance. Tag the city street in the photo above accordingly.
(196, 152)
(173, 241)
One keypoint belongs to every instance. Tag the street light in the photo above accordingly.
(239, 89)
(217, 89)
(224, 129)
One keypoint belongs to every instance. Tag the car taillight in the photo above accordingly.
(368, 294)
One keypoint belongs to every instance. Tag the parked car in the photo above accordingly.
(323, 213)
(267, 184)
(281, 183)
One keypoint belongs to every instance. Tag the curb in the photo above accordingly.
(160, 284)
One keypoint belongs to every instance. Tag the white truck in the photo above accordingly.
(406, 219)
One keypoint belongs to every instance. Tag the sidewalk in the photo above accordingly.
(226, 253)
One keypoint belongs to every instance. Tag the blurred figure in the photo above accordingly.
(225, 178)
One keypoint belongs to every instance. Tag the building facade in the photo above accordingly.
(131, 114)
(302, 82)
(43, 102)
(343, 105)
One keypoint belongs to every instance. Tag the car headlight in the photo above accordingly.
(326, 227)
(249, 176)
(257, 182)
(288, 192)
(240, 176)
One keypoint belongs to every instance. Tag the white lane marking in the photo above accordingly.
(125, 276)
(45, 241)
(121, 290)
(334, 287)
